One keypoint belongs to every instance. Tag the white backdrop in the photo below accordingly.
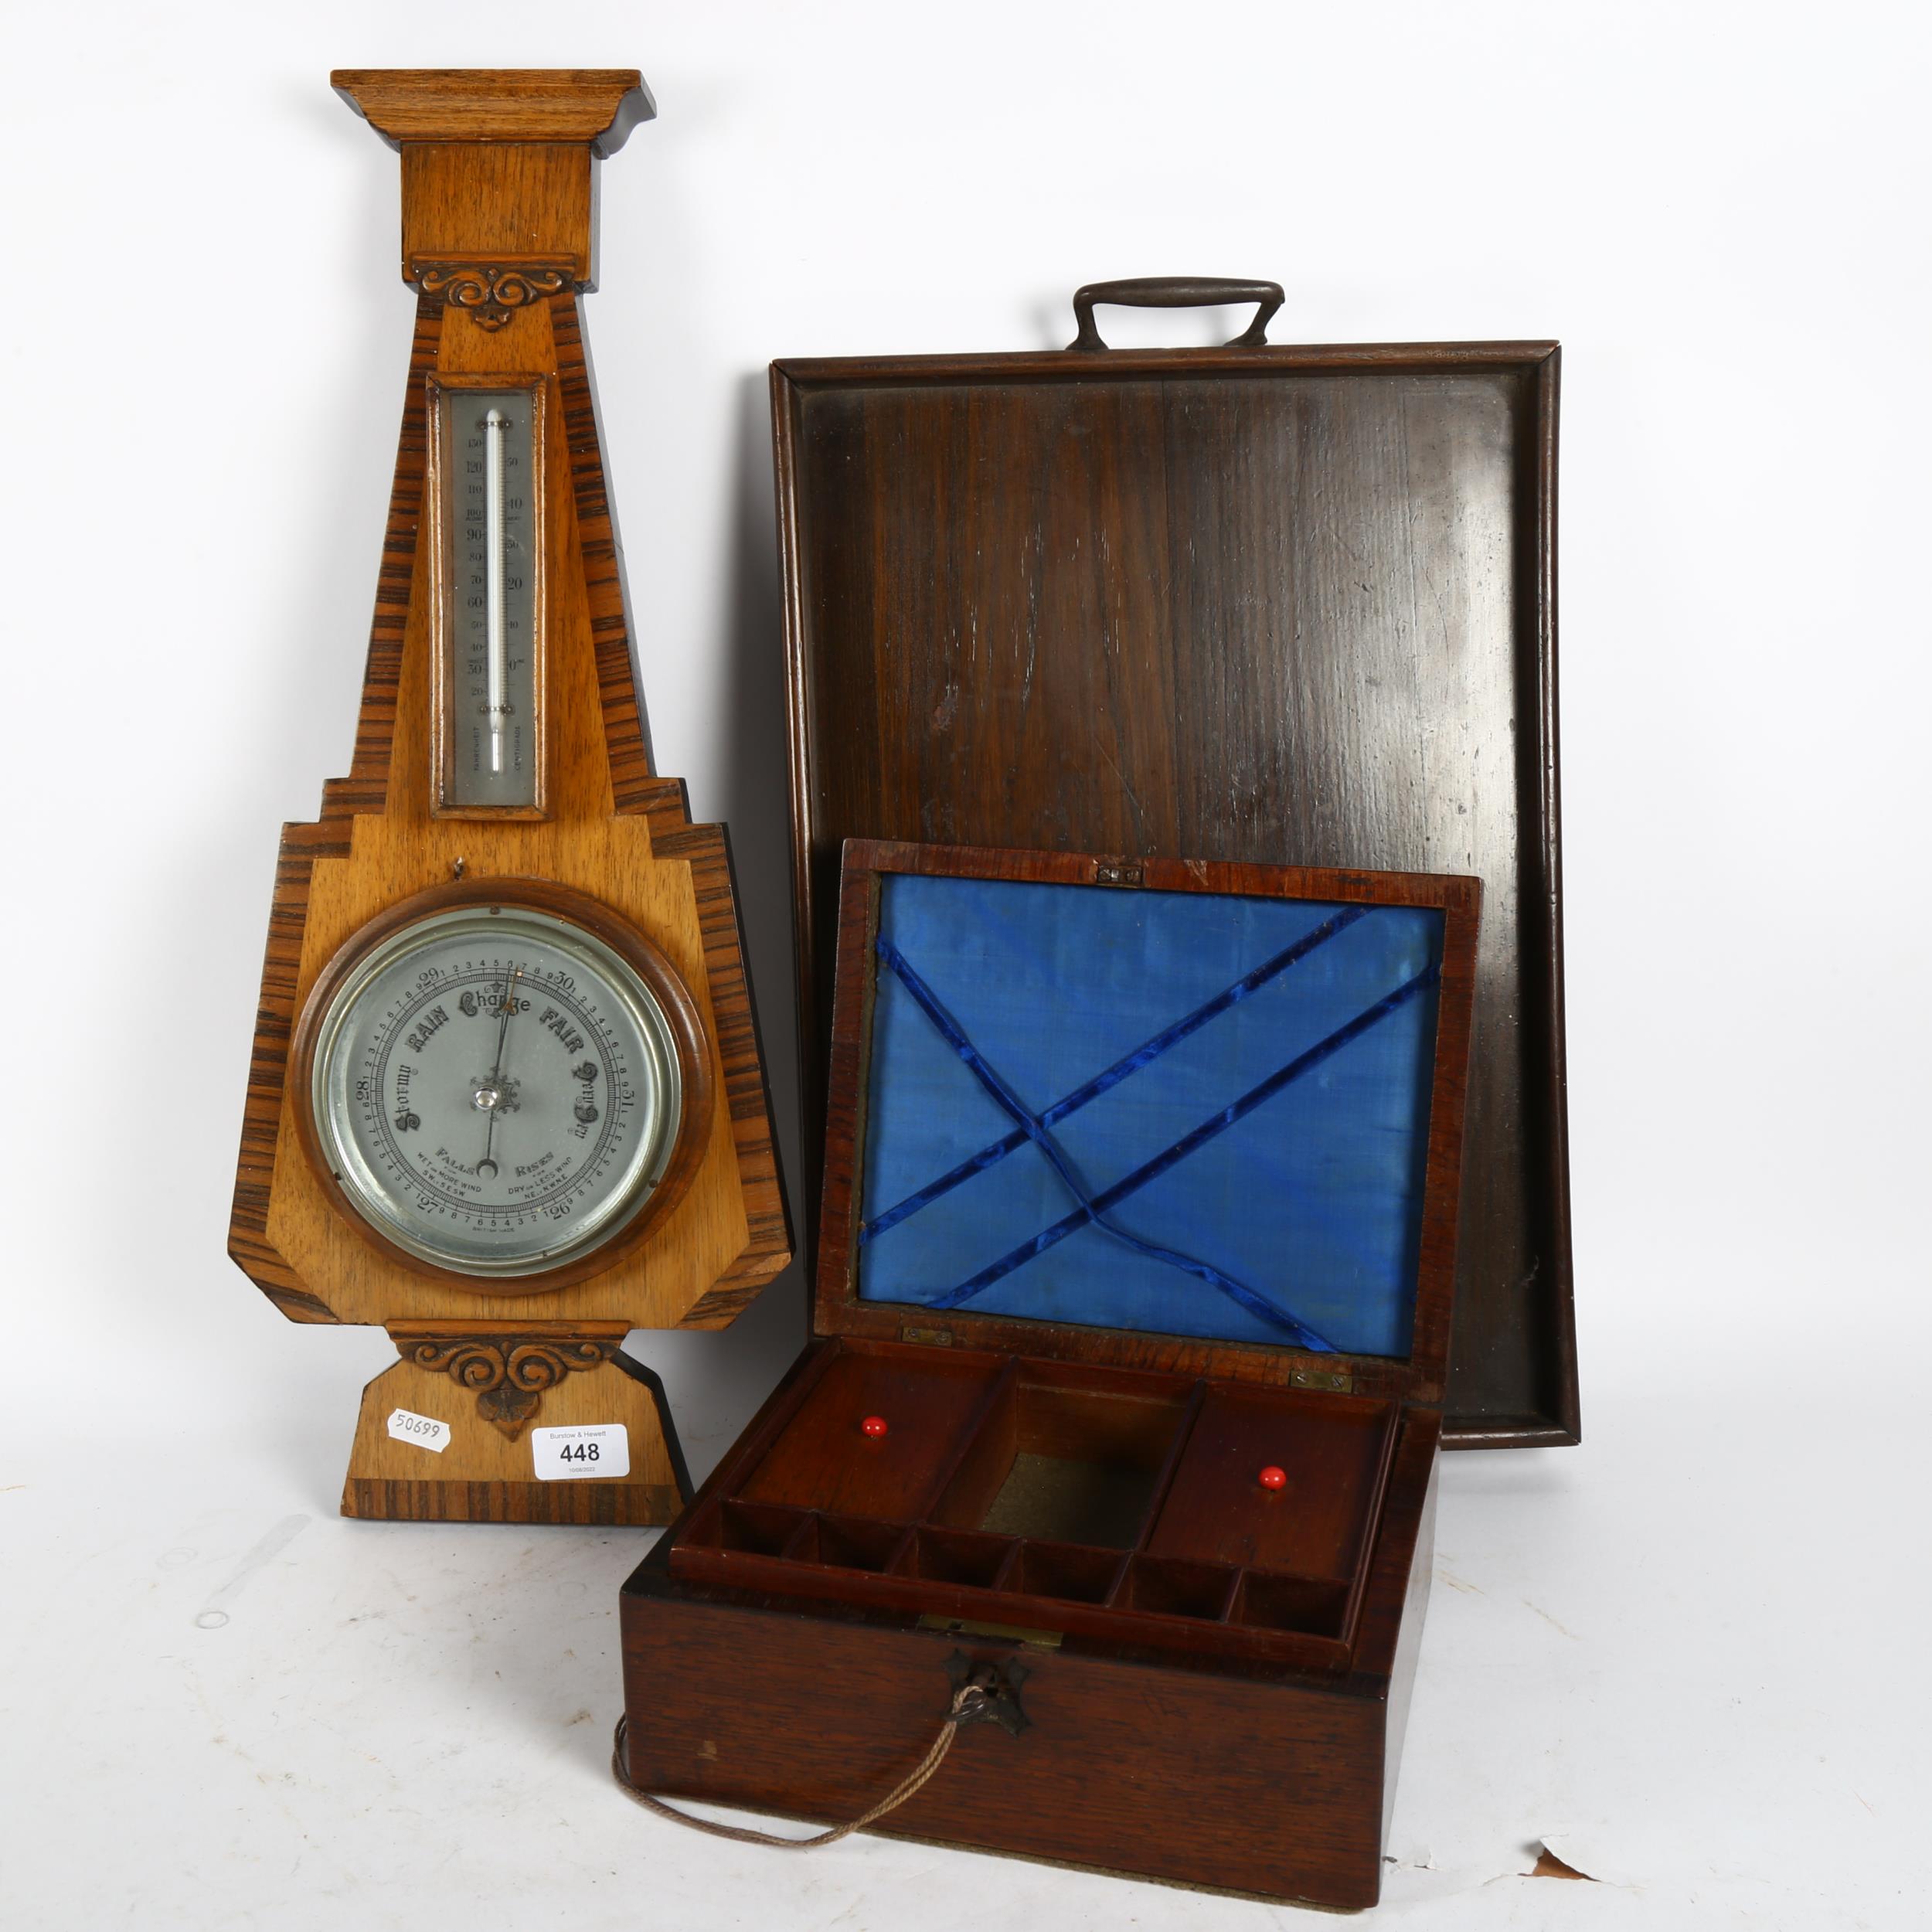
(1718, 209)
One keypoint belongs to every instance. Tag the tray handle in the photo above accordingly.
(1177, 292)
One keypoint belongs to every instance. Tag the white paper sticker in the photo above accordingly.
(425, 1431)
(582, 1449)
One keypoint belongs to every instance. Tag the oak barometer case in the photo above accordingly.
(505, 1099)
(1131, 1327)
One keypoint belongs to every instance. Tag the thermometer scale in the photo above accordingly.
(489, 522)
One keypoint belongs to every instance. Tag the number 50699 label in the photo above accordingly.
(425, 1431)
(581, 1449)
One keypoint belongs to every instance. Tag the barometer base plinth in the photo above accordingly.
(472, 1426)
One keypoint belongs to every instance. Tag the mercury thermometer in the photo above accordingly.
(490, 632)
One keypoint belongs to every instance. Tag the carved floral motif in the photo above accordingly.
(491, 291)
(509, 1372)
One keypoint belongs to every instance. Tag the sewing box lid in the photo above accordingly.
(1199, 1116)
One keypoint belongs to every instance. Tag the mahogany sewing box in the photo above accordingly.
(1130, 1339)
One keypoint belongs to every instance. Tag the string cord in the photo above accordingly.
(966, 1703)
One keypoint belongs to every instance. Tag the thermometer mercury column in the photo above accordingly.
(489, 615)
(495, 423)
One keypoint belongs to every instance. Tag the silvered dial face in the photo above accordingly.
(496, 1089)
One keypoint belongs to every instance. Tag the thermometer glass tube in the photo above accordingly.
(490, 642)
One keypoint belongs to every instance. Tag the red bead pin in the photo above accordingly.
(1274, 1477)
(872, 1426)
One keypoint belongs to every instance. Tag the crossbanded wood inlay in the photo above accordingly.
(366, 787)
(626, 730)
(362, 790)
(589, 1504)
(708, 851)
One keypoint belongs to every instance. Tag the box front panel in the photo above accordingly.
(1241, 1784)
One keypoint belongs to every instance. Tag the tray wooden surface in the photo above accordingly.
(1253, 604)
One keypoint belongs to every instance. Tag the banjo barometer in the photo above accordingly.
(505, 1098)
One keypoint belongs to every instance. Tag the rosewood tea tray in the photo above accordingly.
(1284, 605)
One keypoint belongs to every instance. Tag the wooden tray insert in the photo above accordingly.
(824, 1461)
(1333, 1453)
(1060, 1462)
(1095, 1502)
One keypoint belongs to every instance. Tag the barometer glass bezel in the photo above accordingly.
(657, 1001)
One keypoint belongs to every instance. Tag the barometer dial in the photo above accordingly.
(495, 1089)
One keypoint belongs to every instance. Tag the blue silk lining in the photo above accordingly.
(1236, 1146)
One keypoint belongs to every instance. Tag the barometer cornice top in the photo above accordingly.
(498, 203)
(596, 107)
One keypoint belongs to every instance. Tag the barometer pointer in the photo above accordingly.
(494, 1085)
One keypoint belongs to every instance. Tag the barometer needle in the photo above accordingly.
(503, 1019)
(496, 1072)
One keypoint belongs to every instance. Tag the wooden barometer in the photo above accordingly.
(505, 1097)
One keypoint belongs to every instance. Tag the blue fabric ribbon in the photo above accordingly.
(1095, 1210)
(1092, 1209)
(1143, 1055)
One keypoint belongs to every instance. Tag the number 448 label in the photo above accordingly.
(581, 1449)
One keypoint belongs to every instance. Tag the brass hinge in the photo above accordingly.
(1118, 871)
(929, 1337)
(1334, 1382)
